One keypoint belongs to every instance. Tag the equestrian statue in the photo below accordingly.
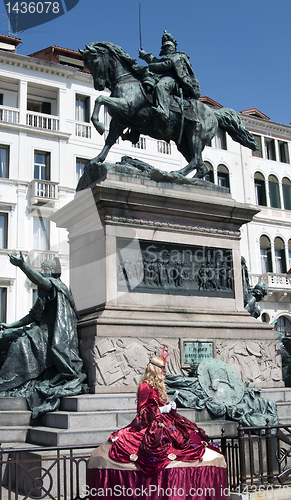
(161, 101)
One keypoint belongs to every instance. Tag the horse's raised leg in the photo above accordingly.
(115, 131)
(117, 104)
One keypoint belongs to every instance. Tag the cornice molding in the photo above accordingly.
(264, 126)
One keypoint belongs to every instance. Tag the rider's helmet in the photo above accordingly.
(167, 39)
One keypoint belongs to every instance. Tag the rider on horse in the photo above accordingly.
(175, 72)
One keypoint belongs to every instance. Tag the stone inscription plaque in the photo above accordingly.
(156, 267)
(195, 351)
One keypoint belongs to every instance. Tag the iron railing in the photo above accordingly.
(257, 459)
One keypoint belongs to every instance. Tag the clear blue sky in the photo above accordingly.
(240, 50)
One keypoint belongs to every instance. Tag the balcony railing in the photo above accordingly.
(83, 130)
(37, 257)
(39, 120)
(43, 192)
(9, 115)
(274, 281)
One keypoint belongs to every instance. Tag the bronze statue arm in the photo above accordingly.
(160, 66)
(147, 56)
(26, 320)
(33, 275)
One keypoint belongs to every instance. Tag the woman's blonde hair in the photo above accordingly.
(154, 376)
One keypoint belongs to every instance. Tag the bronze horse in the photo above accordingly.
(131, 109)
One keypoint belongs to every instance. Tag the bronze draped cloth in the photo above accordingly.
(41, 362)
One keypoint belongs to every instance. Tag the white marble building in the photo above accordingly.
(46, 138)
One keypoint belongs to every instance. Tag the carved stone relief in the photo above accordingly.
(255, 361)
(156, 267)
(121, 361)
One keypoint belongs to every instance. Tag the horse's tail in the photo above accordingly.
(230, 121)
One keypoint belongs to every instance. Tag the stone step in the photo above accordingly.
(45, 436)
(14, 418)
(283, 409)
(15, 434)
(95, 436)
(99, 402)
(278, 394)
(8, 403)
(81, 420)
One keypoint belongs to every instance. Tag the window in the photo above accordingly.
(82, 108)
(266, 256)
(258, 153)
(3, 230)
(164, 147)
(39, 107)
(260, 189)
(222, 176)
(80, 164)
(280, 261)
(1, 99)
(40, 234)
(34, 296)
(286, 185)
(270, 149)
(3, 304)
(283, 325)
(274, 192)
(41, 165)
(283, 152)
(141, 144)
(289, 254)
(265, 318)
(210, 176)
(220, 139)
(4, 161)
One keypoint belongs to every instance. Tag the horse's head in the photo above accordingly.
(96, 60)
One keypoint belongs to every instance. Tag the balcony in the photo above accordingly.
(277, 284)
(42, 121)
(37, 257)
(83, 130)
(9, 115)
(43, 193)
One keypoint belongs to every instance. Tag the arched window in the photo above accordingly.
(280, 261)
(286, 185)
(274, 192)
(223, 176)
(260, 189)
(210, 176)
(283, 325)
(266, 256)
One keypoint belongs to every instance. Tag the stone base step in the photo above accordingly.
(8, 403)
(44, 436)
(82, 420)
(14, 418)
(16, 434)
(280, 394)
(99, 402)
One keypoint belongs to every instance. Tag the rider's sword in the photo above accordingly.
(139, 15)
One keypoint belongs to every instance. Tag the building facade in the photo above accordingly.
(46, 138)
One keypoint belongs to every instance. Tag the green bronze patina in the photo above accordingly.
(219, 389)
(220, 381)
(39, 355)
(161, 101)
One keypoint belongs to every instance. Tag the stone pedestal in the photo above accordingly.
(155, 263)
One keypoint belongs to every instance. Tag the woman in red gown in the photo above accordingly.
(160, 454)
(158, 434)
